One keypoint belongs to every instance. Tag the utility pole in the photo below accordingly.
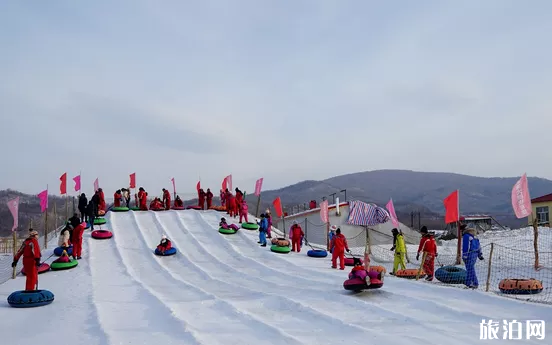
(333, 197)
(344, 191)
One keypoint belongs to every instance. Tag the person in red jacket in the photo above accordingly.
(117, 198)
(101, 204)
(178, 202)
(143, 199)
(164, 245)
(209, 197)
(339, 245)
(201, 197)
(232, 208)
(222, 198)
(295, 233)
(77, 240)
(167, 199)
(30, 250)
(239, 199)
(429, 247)
(227, 197)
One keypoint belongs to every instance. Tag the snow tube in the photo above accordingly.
(134, 208)
(520, 286)
(58, 266)
(379, 269)
(280, 241)
(158, 209)
(101, 213)
(451, 275)
(59, 250)
(317, 253)
(194, 207)
(227, 231)
(29, 299)
(101, 234)
(409, 273)
(250, 226)
(280, 249)
(356, 284)
(44, 267)
(168, 252)
(218, 208)
(99, 221)
(351, 262)
(120, 209)
(178, 207)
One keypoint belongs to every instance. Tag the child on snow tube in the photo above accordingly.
(225, 225)
(156, 204)
(63, 258)
(164, 245)
(360, 272)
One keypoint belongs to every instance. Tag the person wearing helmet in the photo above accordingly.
(164, 245)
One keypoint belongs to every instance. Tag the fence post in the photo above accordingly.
(14, 238)
(421, 265)
(536, 242)
(306, 230)
(489, 268)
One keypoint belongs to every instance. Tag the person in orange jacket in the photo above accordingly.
(117, 198)
(201, 198)
(30, 250)
(167, 199)
(142, 199)
(339, 245)
(429, 247)
(77, 241)
(296, 233)
(209, 197)
(101, 204)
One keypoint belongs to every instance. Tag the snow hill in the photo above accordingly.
(227, 290)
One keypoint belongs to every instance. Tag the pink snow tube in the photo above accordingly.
(357, 284)
(351, 262)
(41, 269)
(194, 207)
(101, 234)
(178, 207)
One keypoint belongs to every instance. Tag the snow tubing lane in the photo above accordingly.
(351, 261)
(120, 209)
(451, 275)
(520, 286)
(59, 266)
(30, 299)
(227, 231)
(168, 252)
(317, 253)
(101, 234)
(99, 221)
(194, 208)
(59, 250)
(250, 226)
(280, 249)
(357, 284)
(44, 267)
(178, 208)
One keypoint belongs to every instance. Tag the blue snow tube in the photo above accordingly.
(29, 299)
(59, 250)
(317, 253)
(168, 252)
(451, 275)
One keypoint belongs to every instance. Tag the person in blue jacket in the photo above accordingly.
(471, 251)
(263, 228)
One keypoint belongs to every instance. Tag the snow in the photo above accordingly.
(227, 290)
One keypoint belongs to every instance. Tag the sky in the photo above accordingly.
(287, 90)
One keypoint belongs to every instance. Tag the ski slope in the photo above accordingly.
(227, 290)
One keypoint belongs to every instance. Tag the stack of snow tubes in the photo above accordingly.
(250, 226)
(280, 245)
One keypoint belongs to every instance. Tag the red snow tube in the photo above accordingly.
(101, 234)
(41, 269)
(195, 207)
(357, 284)
(351, 262)
(158, 209)
(178, 207)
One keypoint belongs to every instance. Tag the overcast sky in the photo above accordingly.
(285, 90)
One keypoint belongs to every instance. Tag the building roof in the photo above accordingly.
(544, 198)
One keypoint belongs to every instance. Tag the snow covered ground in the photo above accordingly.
(227, 290)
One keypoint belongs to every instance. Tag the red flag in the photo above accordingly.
(224, 183)
(13, 205)
(258, 186)
(452, 208)
(229, 181)
(174, 185)
(198, 185)
(77, 183)
(133, 180)
(43, 200)
(324, 213)
(278, 207)
(63, 185)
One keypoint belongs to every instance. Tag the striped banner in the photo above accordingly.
(365, 214)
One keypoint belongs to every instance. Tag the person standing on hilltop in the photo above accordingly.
(268, 216)
(201, 198)
(83, 202)
(126, 196)
(117, 196)
(209, 195)
(428, 246)
(30, 250)
(167, 199)
(91, 210)
(222, 198)
(239, 199)
(101, 204)
(142, 199)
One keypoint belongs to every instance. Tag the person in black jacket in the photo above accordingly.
(83, 202)
(91, 210)
(75, 220)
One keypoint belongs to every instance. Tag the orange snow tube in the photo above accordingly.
(520, 286)
(282, 242)
(218, 208)
(101, 213)
(409, 273)
(378, 269)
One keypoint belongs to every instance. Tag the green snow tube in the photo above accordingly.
(250, 226)
(58, 266)
(279, 249)
(99, 221)
(135, 208)
(227, 231)
(120, 209)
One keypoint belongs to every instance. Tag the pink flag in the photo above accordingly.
(324, 213)
(13, 205)
(174, 185)
(229, 181)
(96, 185)
(77, 183)
(258, 186)
(43, 200)
(391, 208)
(521, 202)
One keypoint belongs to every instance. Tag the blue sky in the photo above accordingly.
(285, 90)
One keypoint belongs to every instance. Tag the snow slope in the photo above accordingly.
(227, 290)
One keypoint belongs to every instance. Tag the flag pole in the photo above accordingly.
(459, 246)
(46, 221)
